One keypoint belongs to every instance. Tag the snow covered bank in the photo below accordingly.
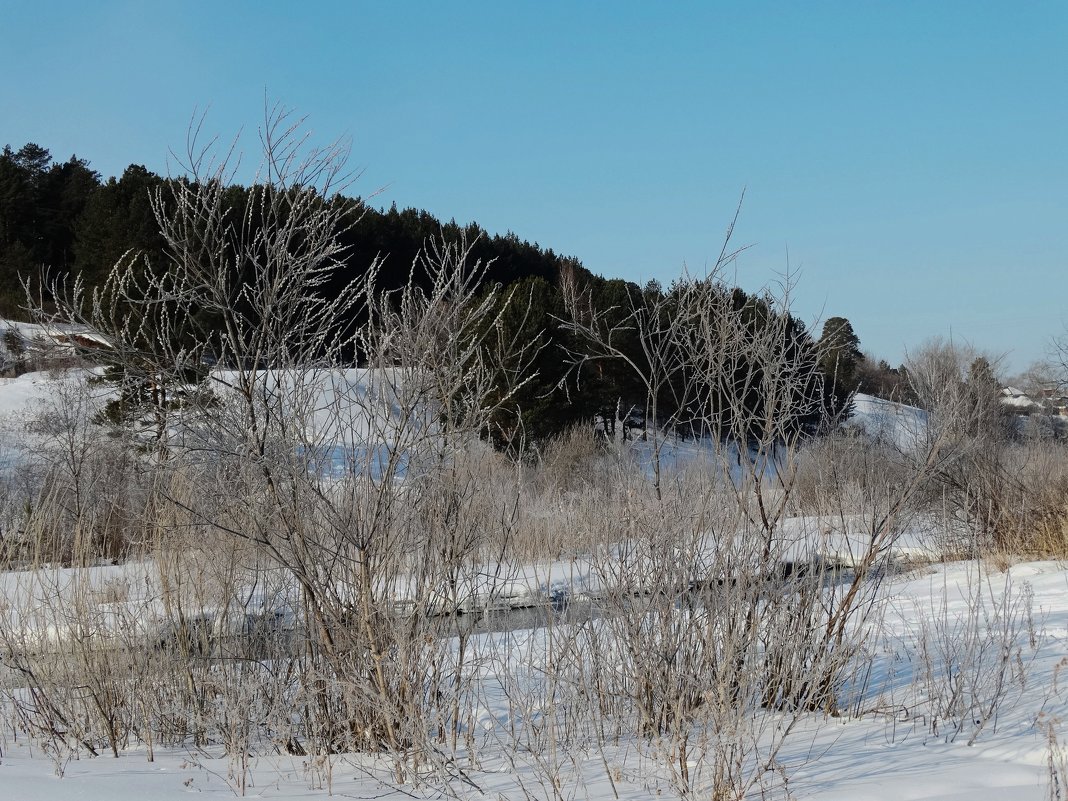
(1000, 637)
(894, 423)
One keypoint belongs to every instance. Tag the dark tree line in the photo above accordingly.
(41, 205)
(62, 217)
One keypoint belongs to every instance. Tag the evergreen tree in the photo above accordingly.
(117, 218)
(63, 195)
(40, 205)
(840, 357)
(841, 349)
(523, 316)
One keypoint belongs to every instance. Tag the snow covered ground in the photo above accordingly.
(894, 423)
(964, 698)
(960, 625)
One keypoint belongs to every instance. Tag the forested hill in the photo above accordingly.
(62, 216)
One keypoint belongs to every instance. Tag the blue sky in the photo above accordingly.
(909, 160)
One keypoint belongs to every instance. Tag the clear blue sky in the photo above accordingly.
(909, 159)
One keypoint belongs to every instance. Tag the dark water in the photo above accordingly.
(517, 619)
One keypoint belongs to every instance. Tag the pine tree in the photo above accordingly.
(840, 357)
(841, 350)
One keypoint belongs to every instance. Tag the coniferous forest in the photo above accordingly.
(64, 221)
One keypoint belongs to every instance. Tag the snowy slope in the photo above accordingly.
(895, 423)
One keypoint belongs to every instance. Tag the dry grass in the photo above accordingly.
(113, 591)
(574, 455)
(847, 473)
(1030, 497)
(1048, 536)
(1056, 759)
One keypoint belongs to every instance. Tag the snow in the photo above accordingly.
(891, 752)
(51, 335)
(894, 423)
(19, 395)
(893, 756)
(1011, 396)
(22, 397)
(997, 635)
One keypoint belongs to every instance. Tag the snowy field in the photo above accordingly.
(961, 694)
(895, 748)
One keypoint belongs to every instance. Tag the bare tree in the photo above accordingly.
(660, 323)
(264, 431)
